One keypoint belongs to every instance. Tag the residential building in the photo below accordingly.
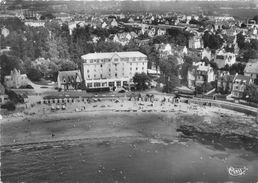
(16, 79)
(195, 42)
(124, 38)
(69, 80)
(206, 52)
(240, 83)
(152, 32)
(114, 23)
(165, 50)
(204, 73)
(225, 83)
(34, 23)
(74, 24)
(199, 74)
(161, 32)
(251, 70)
(112, 69)
(224, 58)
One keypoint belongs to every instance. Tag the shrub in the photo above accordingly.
(26, 87)
(10, 106)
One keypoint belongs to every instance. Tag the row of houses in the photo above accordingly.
(235, 85)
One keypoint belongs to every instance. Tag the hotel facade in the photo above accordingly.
(112, 69)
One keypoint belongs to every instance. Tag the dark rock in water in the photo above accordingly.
(220, 140)
(104, 143)
(186, 130)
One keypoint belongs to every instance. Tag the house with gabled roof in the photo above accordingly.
(16, 79)
(206, 52)
(225, 82)
(195, 42)
(240, 84)
(223, 58)
(69, 80)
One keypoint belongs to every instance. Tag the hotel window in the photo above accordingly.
(137, 68)
(97, 84)
(115, 65)
(109, 70)
(115, 74)
(94, 75)
(130, 68)
(100, 65)
(89, 85)
(88, 71)
(118, 83)
(88, 76)
(130, 63)
(142, 68)
(100, 75)
(111, 84)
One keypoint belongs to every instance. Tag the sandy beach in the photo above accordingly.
(117, 118)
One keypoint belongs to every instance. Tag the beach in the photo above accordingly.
(119, 118)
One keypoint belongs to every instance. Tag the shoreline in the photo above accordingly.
(119, 120)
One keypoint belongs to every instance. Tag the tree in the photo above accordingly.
(252, 93)
(34, 74)
(140, 79)
(256, 18)
(10, 106)
(188, 62)
(103, 46)
(213, 41)
(237, 68)
(169, 74)
(9, 63)
(67, 65)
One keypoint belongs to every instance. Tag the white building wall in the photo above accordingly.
(114, 69)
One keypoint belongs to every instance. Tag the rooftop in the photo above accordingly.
(69, 76)
(243, 78)
(251, 67)
(109, 55)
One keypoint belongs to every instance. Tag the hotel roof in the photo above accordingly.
(109, 55)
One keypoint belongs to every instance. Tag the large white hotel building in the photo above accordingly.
(112, 69)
